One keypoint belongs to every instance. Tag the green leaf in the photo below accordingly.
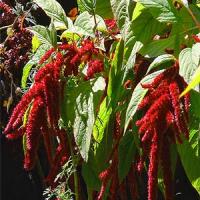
(53, 9)
(70, 35)
(190, 155)
(138, 10)
(161, 60)
(53, 34)
(25, 119)
(90, 176)
(145, 27)
(128, 66)
(137, 96)
(142, 30)
(35, 43)
(122, 10)
(33, 61)
(189, 60)
(195, 81)
(85, 24)
(103, 8)
(83, 123)
(102, 120)
(77, 109)
(42, 33)
(157, 47)
(195, 103)
(115, 71)
(126, 155)
(162, 10)
(88, 5)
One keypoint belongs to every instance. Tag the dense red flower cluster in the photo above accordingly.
(43, 115)
(165, 119)
(6, 15)
(40, 105)
(15, 52)
(94, 66)
(112, 26)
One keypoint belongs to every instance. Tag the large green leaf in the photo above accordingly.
(157, 47)
(90, 176)
(195, 103)
(195, 81)
(162, 10)
(126, 154)
(43, 34)
(115, 72)
(137, 96)
(33, 61)
(145, 27)
(77, 109)
(83, 122)
(160, 60)
(122, 10)
(85, 24)
(190, 155)
(189, 60)
(128, 66)
(103, 8)
(87, 5)
(53, 9)
(53, 34)
(35, 43)
(102, 119)
(142, 30)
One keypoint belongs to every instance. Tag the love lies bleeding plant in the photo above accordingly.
(103, 99)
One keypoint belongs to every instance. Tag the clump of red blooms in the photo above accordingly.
(165, 119)
(6, 15)
(94, 66)
(112, 26)
(196, 38)
(40, 104)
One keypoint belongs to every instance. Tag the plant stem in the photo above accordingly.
(5, 27)
(89, 191)
(193, 17)
(74, 164)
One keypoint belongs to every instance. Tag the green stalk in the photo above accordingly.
(89, 191)
(75, 172)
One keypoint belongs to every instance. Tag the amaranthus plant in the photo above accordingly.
(103, 92)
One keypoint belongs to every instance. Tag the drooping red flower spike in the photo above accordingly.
(165, 119)
(37, 114)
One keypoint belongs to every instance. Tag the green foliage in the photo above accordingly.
(189, 59)
(189, 154)
(162, 10)
(53, 9)
(78, 108)
(155, 30)
(160, 60)
(126, 154)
